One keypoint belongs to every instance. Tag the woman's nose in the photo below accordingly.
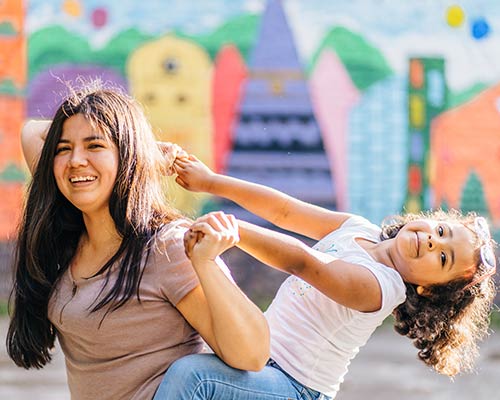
(77, 159)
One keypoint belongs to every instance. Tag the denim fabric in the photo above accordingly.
(206, 377)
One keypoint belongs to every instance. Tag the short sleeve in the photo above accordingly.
(392, 287)
(175, 273)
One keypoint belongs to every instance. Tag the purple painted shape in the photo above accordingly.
(48, 88)
(275, 44)
(333, 95)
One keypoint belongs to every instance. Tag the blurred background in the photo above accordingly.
(369, 106)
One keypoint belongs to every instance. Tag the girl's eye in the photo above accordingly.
(440, 231)
(443, 259)
(95, 146)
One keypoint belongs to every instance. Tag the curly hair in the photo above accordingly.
(446, 322)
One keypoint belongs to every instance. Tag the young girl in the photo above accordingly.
(100, 260)
(433, 272)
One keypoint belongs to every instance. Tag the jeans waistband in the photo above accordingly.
(315, 393)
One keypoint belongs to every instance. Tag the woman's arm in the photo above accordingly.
(351, 285)
(230, 323)
(33, 137)
(276, 207)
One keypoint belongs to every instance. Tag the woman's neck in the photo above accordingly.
(101, 233)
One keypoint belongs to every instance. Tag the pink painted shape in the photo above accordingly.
(230, 73)
(333, 96)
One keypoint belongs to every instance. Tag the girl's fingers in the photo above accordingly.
(181, 183)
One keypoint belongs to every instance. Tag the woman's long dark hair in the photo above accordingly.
(51, 226)
(446, 322)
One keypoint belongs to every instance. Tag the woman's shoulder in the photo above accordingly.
(170, 237)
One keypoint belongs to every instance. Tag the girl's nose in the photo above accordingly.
(430, 242)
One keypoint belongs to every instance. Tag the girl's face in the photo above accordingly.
(85, 165)
(430, 252)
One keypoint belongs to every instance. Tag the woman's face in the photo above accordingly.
(430, 252)
(85, 165)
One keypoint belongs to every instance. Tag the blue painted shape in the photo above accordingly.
(377, 147)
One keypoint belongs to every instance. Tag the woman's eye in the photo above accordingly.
(443, 259)
(95, 146)
(61, 149)
(440, 231)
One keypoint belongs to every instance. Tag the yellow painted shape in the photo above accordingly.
(172, 79)
(72, 7)
(413, 205)
(417, 111)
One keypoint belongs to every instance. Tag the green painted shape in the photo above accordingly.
(472, 198)
(8, 87)
(7, 29)
(55, 45)
(364, 63)
(115, 54)
(456, 99)
(12, 173)
(240, 31)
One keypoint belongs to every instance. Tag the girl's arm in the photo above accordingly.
(33, 137)
(351, 285)
(230, 323)
(278, 208)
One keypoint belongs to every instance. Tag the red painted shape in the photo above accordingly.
(229, 76)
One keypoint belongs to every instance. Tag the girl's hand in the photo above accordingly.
(211, 235)
(171, 152)
(193, 175)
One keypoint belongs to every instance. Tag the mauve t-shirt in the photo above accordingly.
(125, 354)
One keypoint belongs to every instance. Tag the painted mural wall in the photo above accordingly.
(359, 105)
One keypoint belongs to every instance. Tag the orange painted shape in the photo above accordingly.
(10, 209)
(12, 111)
(416, 74)
(414, 179)
(13, 60)
(470, 134)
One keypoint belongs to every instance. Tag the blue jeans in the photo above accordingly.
(206, 377)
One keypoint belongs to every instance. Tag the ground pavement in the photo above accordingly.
(385, 369)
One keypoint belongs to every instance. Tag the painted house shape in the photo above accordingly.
(377, 151)
(466, 140)
(277, 140)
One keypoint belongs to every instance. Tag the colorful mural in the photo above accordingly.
(12, 85)
(364, 106)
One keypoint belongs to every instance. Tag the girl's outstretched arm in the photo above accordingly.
(230, 323)
(351, 285)
(33, 137)
(274, 206)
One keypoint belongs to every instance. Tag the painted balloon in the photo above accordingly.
(455, 16)
(99, 17)
(480, 28)
(72, 7)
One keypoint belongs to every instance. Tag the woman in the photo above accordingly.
(100, 259)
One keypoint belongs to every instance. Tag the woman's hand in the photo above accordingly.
(171, 152)
(193, 175)
(210, 236)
